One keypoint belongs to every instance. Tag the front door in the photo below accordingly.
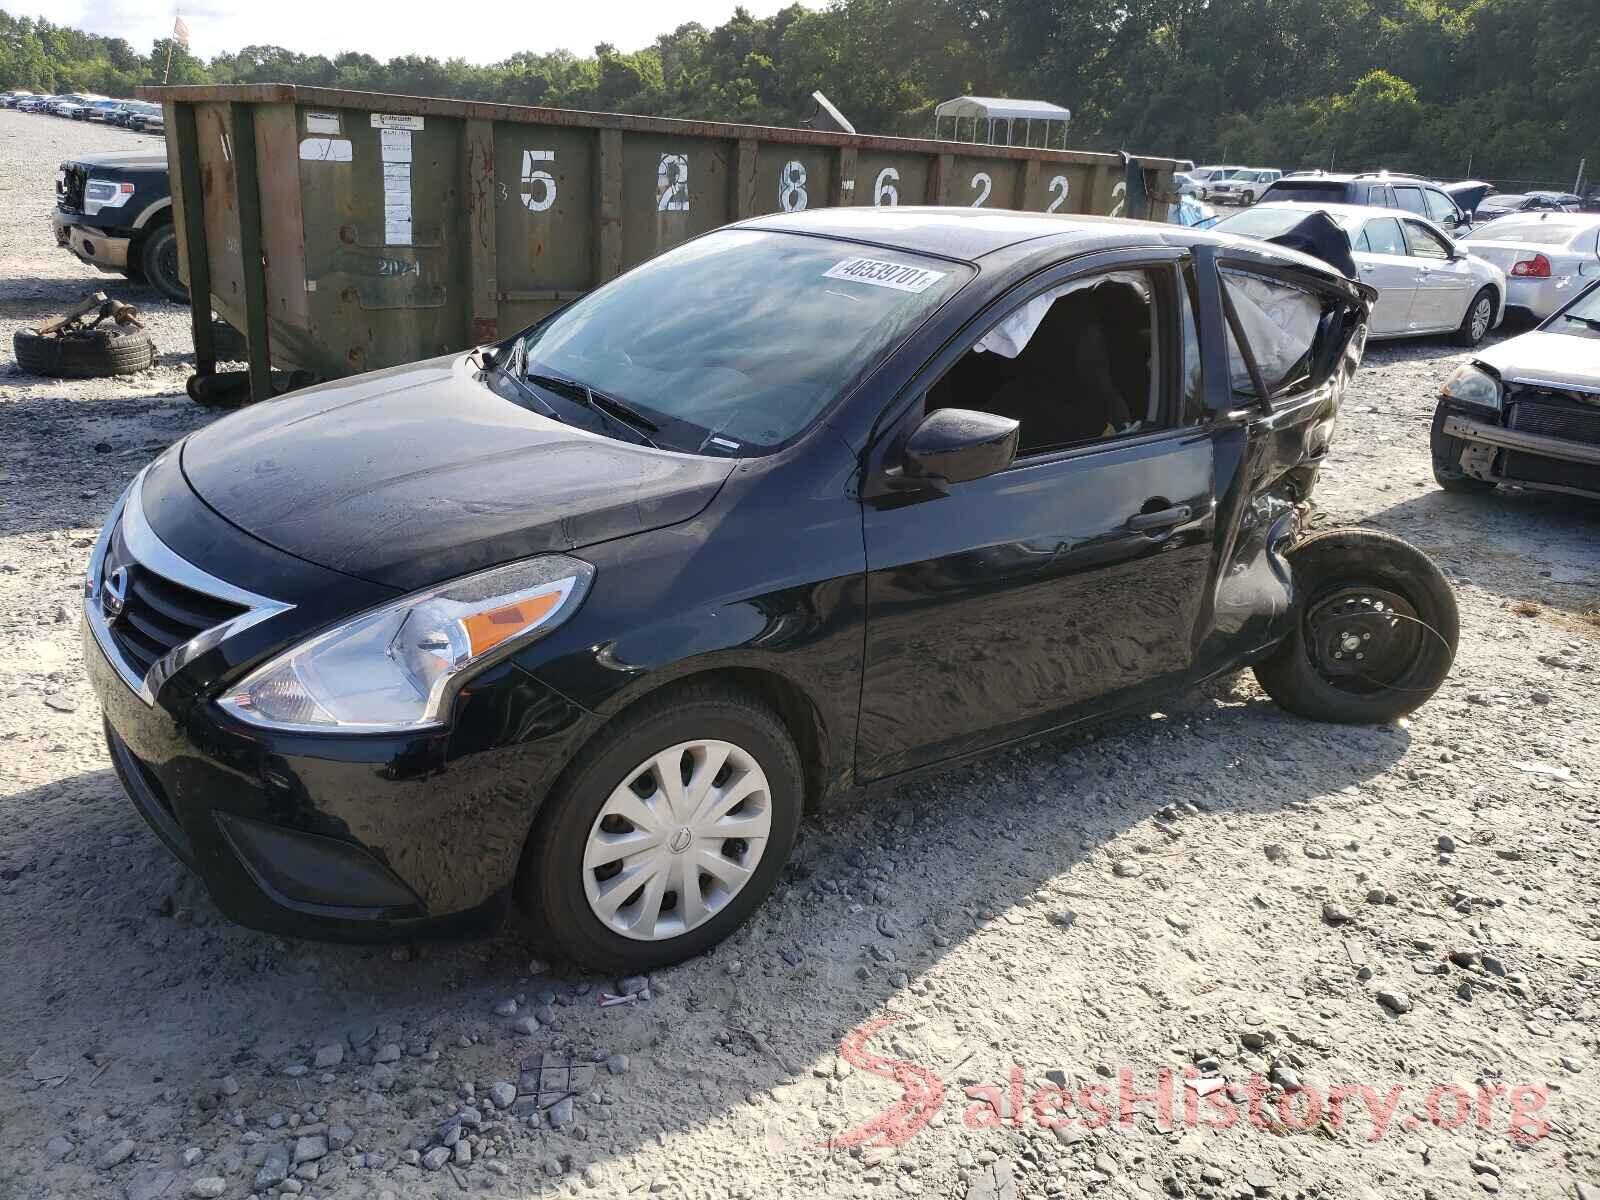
(1444, 283)
(1380, 254)
(1078, 574)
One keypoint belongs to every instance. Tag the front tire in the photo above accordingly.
(1375, 631)
(701, 789)
(1479, 318)
(1446, 453)
(159, 259)
(1249, 198)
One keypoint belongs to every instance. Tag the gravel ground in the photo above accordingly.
(1367, 958)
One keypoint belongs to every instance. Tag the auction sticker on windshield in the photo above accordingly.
(885, 274)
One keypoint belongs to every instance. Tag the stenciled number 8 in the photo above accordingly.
(792, 187)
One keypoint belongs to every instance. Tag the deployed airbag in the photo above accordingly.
(1280, 323)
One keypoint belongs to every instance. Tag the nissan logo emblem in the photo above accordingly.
(114, 593)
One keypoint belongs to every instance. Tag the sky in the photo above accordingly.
(481, 31)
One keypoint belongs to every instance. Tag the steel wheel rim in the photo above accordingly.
(1480, 318)
(1363, 639)
(677, 839)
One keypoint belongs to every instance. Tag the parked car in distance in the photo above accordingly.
(1383, 189)
(33, 104)
(138, 114)
(13, 99)
(1548, 257)
(1503, 203)
(1527, 411)
(114, 211)
(1185, 183)
(1427, 284)
(1204, 177)
(153, 121)
(1243, 187)
(595, 685)
(106, 111)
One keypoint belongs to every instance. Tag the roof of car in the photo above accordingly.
(1343, 210)
(963, 233)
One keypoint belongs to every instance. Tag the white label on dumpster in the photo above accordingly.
(879, 273)
(396, 185)
(323, 123)
(325, 149)
(395, 121)
(396, 145)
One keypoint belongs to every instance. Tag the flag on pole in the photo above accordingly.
(180, 32)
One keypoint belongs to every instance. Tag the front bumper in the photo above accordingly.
(93, 246)
(344, 837)
(1533, 460)
(1538, 298)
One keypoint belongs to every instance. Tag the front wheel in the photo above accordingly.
(1249, 198)
(159, 259)
(1446, 452)
(1479, 317)
(666, 833)
(1375, 633)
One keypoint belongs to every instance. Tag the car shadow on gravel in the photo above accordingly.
(131, 965)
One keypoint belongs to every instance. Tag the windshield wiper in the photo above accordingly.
(1587, 322)
(609, 407)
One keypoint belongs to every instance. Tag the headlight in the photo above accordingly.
(1473, 385)
(399, 666)
(105, 193)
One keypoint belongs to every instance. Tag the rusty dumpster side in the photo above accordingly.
(347, 231)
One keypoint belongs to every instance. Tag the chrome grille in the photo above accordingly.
(153, 612)
(156, 615)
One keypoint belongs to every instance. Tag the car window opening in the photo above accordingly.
(1282, 325)
(1075, 365)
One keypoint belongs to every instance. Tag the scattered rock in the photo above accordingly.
(116, 1154)
(208, 1187)
(502, 1095)
(435, 1158)
(327, 1056)
(1396, 1002)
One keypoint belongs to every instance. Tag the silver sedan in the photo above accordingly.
(1548, 257)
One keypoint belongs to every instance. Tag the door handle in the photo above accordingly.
(1167, 517)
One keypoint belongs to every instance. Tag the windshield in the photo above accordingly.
(1520, 229)
(734, 343)
(1581, 318)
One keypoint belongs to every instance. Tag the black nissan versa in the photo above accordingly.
(581, 622)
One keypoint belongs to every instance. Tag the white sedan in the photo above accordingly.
(1548, 257)
(1427, 283)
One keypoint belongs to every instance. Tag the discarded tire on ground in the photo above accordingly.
(84, 355)
(227, 343)
(1375, 632)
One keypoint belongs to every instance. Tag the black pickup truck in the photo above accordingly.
(115, 211)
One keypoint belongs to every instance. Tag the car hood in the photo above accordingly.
(1561, 359)
(122, 160)
(420, 473)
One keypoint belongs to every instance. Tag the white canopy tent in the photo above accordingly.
(998, 119)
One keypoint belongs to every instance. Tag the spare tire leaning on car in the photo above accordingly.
(88, 354)
(1375, 630)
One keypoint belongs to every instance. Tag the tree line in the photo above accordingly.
(1503, 89)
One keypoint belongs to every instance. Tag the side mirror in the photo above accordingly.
(954, 445)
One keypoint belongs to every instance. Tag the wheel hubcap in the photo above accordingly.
(1480, 319)
(1363, 639)
(677, 839)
